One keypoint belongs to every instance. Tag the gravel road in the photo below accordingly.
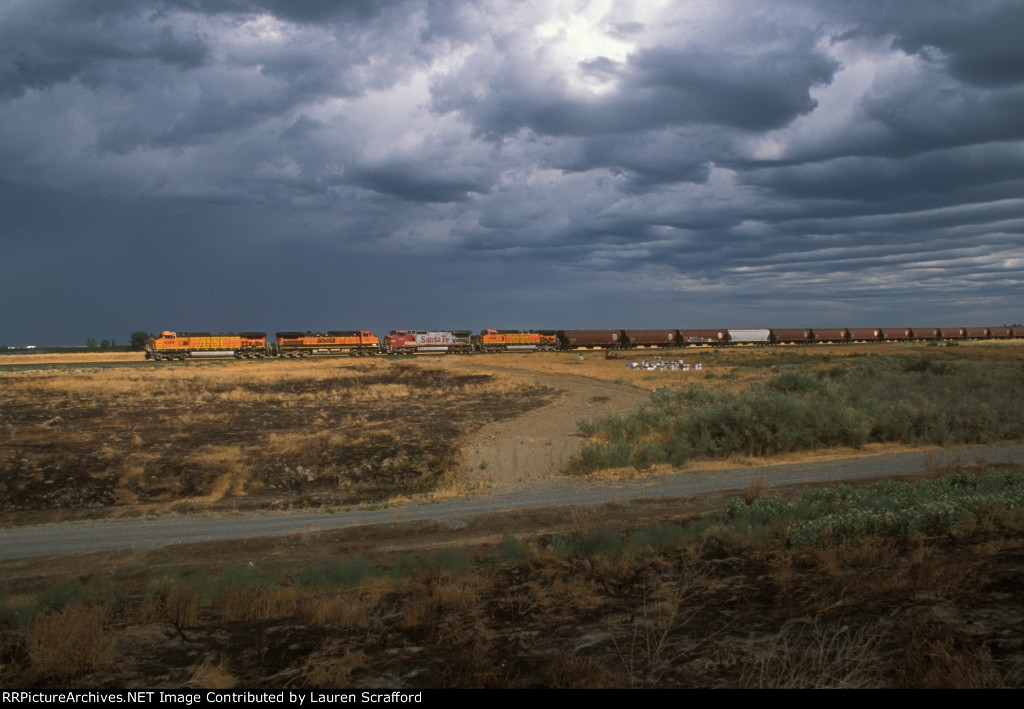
(105, 535)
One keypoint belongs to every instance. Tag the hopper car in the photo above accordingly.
(587, 339)
(650, 338)
(703, 337)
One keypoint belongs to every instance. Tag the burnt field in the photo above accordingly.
(96, 442)
(652, 594)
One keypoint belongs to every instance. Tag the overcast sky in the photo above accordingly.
(302, 164)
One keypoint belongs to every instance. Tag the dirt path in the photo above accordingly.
(539, 444)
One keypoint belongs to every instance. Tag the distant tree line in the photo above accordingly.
(139, 339)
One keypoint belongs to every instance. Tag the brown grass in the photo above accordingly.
(757, 489)
(330, 668)
(211, 673)
(70, 642)
(946, 664)
(258, 604)
(345, 610)
(817, 655)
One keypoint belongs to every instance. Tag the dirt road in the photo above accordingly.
(539, 444)
(454, 514)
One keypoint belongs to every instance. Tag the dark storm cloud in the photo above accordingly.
(599, 160)
(942, 177)
(416, 183)
(660, 86)
(980, 44)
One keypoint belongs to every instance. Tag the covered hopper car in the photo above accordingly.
(650, 338)
(703, 337)
(586, 339)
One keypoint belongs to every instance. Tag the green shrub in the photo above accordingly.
(450, 560)
(888, 509)
(917, 400)
(659, 536)
(603, 541)
(347, 573)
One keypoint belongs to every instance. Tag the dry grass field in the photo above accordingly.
(650, 594)
(84, 441)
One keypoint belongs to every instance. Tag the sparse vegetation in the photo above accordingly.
(920, 399)
(727, 600)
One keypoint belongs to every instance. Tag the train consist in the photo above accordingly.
(254, 345)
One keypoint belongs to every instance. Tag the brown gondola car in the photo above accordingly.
(922, 333)
(1000, 332)
(952, 333)
(865, 334)
(794, 336)
(650, 338)
(831, 334)
(579, 339)
(703, 337)
(977, 333)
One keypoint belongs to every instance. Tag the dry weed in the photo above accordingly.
(945, 664)
(657, 635)
(70, 642)
(757, 488)
(342, 610)
(258, 604)
(579, 673)
(416, 612)
(211, 673)
(817, 656)
(452, 594)
(323, 669)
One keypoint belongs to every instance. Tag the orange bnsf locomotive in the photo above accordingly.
(515, 341)
(185, 345)
(304, 344)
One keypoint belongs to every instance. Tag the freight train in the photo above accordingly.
(254, 345)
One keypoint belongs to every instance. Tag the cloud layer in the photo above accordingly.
(260, 164)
